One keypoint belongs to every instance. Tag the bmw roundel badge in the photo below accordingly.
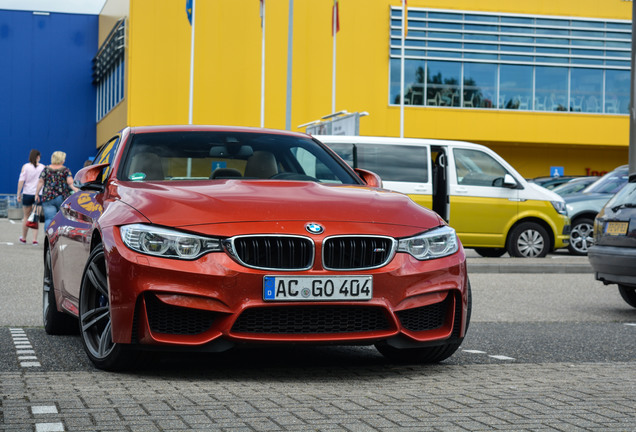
(314, 228)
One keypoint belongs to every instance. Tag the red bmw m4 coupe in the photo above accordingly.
(210, 237)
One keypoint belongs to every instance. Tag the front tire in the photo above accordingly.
(528, 240)
(628, 293)
(433, 354)
(55, 322)
(95, 318)
(581, 236)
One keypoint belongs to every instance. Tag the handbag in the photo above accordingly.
(40, 211)
(32, 221)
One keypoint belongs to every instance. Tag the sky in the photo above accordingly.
(92, 7)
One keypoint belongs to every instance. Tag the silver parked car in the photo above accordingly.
(583, 207)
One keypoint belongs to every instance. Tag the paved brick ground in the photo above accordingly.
(511, 397)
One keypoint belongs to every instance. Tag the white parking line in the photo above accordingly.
(496, 357)
(630, 324)
(44, 409)
(46, 427)
(501, 357)
(23, 349)
(49, 427)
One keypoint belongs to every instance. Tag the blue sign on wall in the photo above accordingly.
(47, 99)
(556, 171)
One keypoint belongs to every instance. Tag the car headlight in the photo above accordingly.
(436, 243)
(560, 207)
(167, 243)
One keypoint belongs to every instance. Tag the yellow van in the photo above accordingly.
(491, 206)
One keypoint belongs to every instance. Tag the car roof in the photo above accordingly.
(212, 128)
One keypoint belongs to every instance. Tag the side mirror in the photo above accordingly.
(369, 178)
(89, 178)
(509, 181)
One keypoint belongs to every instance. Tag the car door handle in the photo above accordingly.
(461, 190)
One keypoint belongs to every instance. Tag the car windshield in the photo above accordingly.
(571, 187)
(626, 195)
(217, 155)
(610, 183)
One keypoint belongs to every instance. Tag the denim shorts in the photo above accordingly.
(28, 200)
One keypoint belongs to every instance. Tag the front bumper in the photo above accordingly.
(214, 302)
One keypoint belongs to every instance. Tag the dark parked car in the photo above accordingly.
(551, 182)
(583, 207)
(206, 237)
(613, 256)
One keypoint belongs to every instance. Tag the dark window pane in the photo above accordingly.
(443, 81)
(553, 41)
(551, 88)
(617, 90)
(553, 22)
(484, 28)
(444, 16)
(587, 84)
(480, 85)
(483, 18)
(515, 86)
(545, 31)
(588, 24)
(517, 20)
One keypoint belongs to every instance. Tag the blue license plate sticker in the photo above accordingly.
(269, 287)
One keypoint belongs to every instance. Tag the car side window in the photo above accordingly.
(476, 168)
(400, 163)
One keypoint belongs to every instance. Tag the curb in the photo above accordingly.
(508, 267)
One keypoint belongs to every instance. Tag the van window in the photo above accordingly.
(476, 168)
(391, 162)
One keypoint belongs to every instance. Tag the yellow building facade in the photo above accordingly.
(572, 40)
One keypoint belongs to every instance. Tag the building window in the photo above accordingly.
(506, 61)
(108, 70)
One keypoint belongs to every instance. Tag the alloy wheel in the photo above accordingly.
(95, 321)
(581, 237)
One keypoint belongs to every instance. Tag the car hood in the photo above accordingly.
(539, 192)
(181, 204)
(576, 198)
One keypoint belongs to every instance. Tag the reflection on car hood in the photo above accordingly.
(189, 203)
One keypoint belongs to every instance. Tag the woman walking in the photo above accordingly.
(56, 184)
(27, 184)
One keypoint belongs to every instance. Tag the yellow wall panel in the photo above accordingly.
(227, 81)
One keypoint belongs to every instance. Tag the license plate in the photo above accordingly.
(310, 288)
(616, 228)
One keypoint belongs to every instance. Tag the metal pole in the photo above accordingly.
(191, 63)
(263, 64)
(333, 61)
(402, 70)
(290, 44)
(632, 111)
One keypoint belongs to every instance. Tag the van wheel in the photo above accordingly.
(528, 240)
(581, 236)
(490, 252)
(628, 293)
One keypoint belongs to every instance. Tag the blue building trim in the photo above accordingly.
(47, 100)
